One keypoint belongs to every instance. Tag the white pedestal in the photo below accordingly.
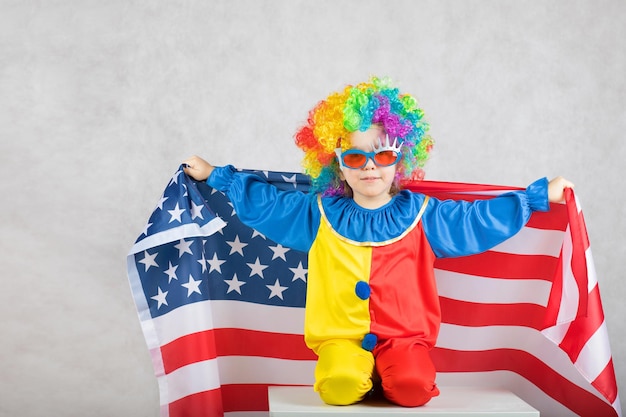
(452, 402)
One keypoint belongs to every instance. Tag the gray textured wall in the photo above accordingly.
(101, 100)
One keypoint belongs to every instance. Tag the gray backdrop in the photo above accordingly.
(101, 100)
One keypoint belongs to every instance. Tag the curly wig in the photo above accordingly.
(358, 107)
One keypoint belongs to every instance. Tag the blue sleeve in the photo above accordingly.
(459, 228)
(290, 218)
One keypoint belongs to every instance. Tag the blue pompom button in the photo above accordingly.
(362, 290)
(369, 341)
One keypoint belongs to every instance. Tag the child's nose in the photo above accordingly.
(369, 164)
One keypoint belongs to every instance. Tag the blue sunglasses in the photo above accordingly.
(357, 159)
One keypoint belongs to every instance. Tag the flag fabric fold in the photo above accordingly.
(222, 308)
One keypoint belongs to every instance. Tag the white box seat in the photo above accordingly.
(452, 402)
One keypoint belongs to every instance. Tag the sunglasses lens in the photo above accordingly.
(385, 158)
(354, 160)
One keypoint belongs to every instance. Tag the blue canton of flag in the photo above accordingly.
(189, 252)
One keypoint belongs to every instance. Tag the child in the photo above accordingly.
(372, 309)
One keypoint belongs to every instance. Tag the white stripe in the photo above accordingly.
(210, 374)
(492, 290)
(247, 414)
(218, 314)
(568, 307)
(531, 241)
(259, 317)
(198, 377)
(591, 270)
(595, 355)
(171, 235)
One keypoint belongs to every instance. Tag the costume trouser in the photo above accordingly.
(344, 371)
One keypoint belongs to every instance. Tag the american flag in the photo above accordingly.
(222, 308)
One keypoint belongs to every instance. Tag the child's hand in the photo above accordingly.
(556, 189)
(197, 168)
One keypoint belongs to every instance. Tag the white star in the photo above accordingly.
(276, 290)
(202, 261)
(257, 268)
(192, 286)
(175, 214)
(196, 210)
(171, 273)
(160, 298)
(299, 272)
(185, 188)
(148, 260)
(255, 234)
(174, 179)
(279, 252)
(291, 179)
(145, 229)
(232, 213)
(184, 246)
(234, 284)
(161, 201)
(215, 264)
(236, 246)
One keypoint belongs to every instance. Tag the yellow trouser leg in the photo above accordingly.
(343, 374)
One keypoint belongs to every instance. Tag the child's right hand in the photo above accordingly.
(197, 168)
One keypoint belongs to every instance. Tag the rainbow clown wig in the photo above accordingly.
(357, 108)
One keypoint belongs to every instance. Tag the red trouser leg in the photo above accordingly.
(406, 371)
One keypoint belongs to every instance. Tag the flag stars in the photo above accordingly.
(299, 272)
(257, 268)
(192, 286)
(161, 201)
(279, 252)
(234, 284)
(149, 260)
(171, 272)
(196, 210)
(145, 229)
(276, 290)
(290, 180)
(236, 246)
(160, 298)
(175, 214)
(233, 212)
(183, 247)
(202, 261)
(255, 234)
(215, 264)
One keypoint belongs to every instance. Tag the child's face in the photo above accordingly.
(370, 184)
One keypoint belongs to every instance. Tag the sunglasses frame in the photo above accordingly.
(368, 156)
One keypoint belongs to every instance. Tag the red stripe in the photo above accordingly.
(245, 397)
(440, 187)
(556, 293)
(579, 242)
(465, 313)
(201, 404)
(577, 399)
(201, 346)
(501, 265)
(605, 382)
(582, 328)
(555, 219)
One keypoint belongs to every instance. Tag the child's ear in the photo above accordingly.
(341, 176)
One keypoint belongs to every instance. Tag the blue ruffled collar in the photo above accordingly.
(373, 225)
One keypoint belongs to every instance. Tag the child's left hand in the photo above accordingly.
(556, 189)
